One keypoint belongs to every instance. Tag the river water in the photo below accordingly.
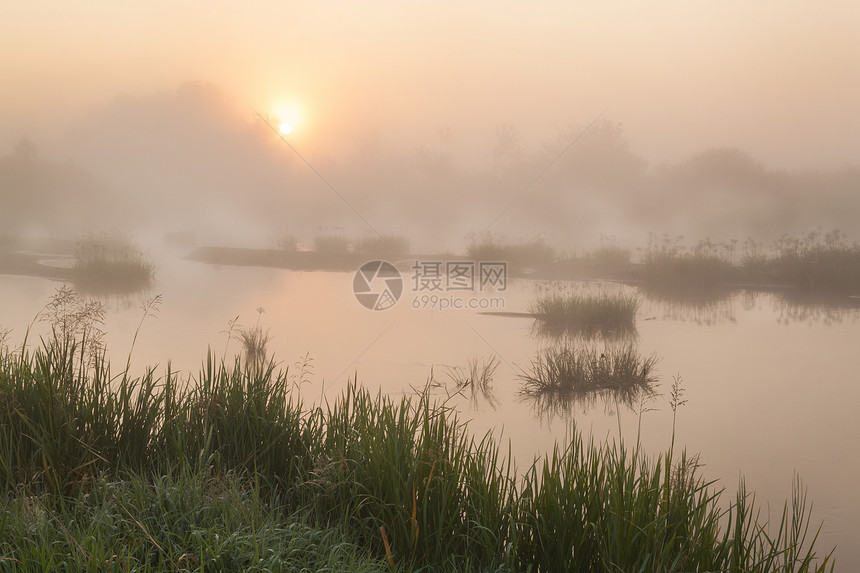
(772, 386)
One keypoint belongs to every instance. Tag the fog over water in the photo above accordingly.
(157, 128)
(149, 110)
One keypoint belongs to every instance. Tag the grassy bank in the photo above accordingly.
(229, 469)
(191, 521)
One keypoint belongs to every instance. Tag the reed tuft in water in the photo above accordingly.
(111, 263)
(569, 369)
(610, 314)
(476, 379)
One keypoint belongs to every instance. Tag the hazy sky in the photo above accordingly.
(780, 79)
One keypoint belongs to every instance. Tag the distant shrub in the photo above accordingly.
(532, 252)
(287, 243)
(383, 245)
(821, 262)
(668, 262)
(331, 243)
(608, 256)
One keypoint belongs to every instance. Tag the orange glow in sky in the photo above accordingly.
(779, 79)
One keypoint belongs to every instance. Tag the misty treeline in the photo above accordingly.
(193, 160)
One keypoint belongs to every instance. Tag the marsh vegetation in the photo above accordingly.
(606, 312)
(527, 253)
(111, 263)
(331, 243)
(229, 467)
(570, 371)
(815, 262)
(385, 245)
(476, 379)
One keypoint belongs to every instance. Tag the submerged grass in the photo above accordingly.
(229, 470)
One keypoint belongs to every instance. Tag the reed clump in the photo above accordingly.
(111, 263)
(476, 379)
(569, 369)
(586, 313)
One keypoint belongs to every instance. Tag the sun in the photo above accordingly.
(288, 118)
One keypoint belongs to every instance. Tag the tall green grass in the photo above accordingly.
(194, 521)
(411, 469)
(103, 469)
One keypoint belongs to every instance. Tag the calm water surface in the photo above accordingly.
(772, 387)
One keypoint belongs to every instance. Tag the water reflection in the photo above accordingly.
(717, 306)
(704, 306)
(793, 306)
(548, 406)
(550, 333)
(117, 299)
(475, 381)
